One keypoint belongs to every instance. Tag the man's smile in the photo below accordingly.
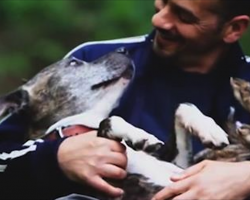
(167, 43)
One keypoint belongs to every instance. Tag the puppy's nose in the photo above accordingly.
(122, 50)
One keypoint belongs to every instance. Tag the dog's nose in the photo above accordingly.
(122, 50)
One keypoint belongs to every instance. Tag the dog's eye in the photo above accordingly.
(74, 62)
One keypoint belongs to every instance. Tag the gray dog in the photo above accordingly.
(69, 87)
(75, 92)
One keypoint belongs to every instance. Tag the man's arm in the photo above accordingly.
(50, 169)
(31, 170)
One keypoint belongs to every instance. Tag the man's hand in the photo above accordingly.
(210, 180)
(88, 159)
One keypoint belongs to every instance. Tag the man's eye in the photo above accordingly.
(186, 18)
(165, 2)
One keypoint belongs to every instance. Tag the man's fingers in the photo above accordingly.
(189, 172)
(164, 194)
(113, 145)
(117, 146)
(112, 171)
(100, 184)
(117, 159)
(189, 195)
(172, 190)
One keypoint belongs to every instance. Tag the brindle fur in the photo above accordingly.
(137, 187)
(67, 87)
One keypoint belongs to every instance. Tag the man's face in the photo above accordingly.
(186, 27)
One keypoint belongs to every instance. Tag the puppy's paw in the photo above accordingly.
(190, 119)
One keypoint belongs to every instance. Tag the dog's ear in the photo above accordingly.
(12, 103)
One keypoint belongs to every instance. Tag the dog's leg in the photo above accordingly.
(118, 129)
(189, 120)
(141, 182)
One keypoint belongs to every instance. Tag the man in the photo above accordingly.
(189, 57)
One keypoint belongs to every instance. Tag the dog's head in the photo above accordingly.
(71, 86)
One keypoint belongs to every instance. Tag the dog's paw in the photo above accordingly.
(190, 118)
(211, 134)
(105, 130)
(138, 139)
(141, 140)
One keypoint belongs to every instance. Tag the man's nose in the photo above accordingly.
(163, 19)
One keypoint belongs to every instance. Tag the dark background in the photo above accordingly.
(34, 34)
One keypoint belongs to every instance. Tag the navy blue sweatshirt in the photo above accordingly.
(31, 171)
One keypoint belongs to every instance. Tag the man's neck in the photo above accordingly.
(201, 63)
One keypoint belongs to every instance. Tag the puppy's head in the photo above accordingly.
(71, 86)
(241, 90)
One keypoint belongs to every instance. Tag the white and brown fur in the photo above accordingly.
(75, 92)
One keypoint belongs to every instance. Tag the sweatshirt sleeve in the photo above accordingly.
(29, 170)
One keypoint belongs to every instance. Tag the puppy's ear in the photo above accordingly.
(13, 103)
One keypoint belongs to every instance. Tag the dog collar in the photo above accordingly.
(68, 131)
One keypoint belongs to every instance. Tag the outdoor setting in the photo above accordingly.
(35, 34)
(125, 99)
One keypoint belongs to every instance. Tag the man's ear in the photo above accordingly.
(234, 29)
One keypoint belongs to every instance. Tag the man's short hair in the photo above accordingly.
(231, 8)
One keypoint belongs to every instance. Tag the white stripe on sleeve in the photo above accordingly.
(17, 153)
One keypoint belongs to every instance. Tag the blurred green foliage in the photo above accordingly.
(36, 33)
